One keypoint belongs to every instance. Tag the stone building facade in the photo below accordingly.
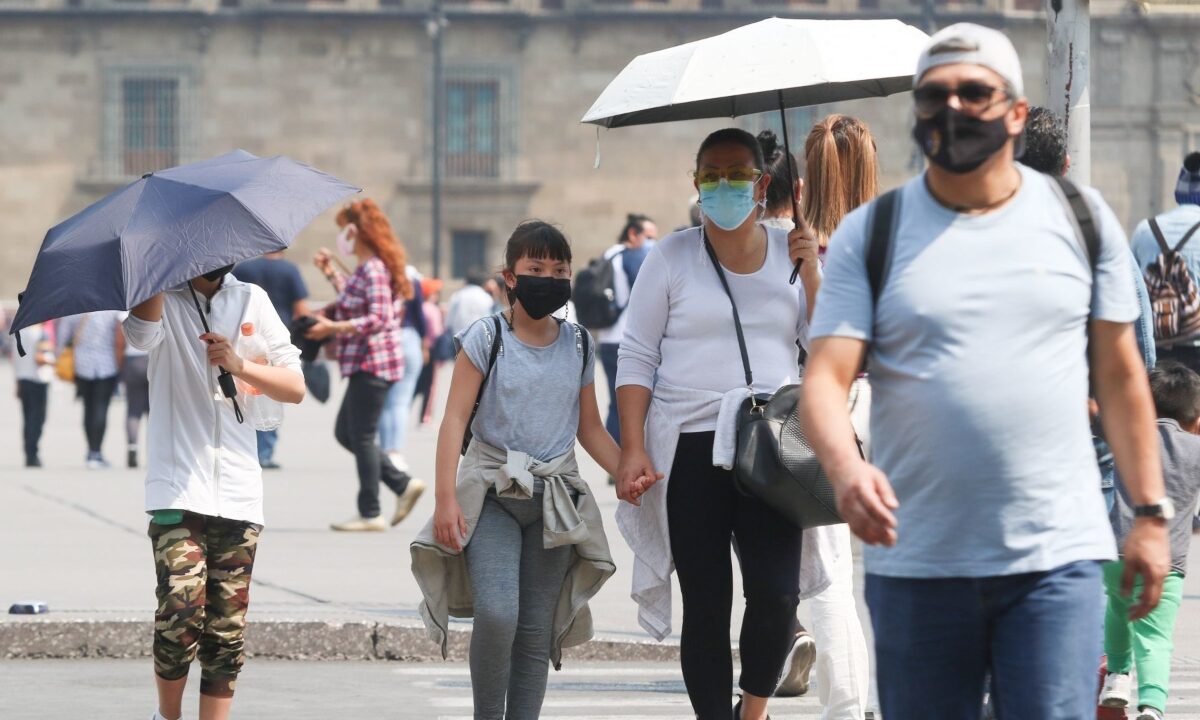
(95, 92)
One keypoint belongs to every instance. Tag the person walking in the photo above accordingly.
(436, 343)
(469, 303)
(517, 540)
(204, 489)
(136, 381)
(1175, 233)
(285, 287)
(397, 411)
(841, 164)
(626, 256)
(983, 509)
(1147, 643)
(679, 378)
(33, 373)
(366, 327)
(98, 347)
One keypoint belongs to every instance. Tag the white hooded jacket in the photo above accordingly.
(200, 459)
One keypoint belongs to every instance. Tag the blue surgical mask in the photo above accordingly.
(727, 205)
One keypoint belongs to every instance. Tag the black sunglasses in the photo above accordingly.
(975, 97)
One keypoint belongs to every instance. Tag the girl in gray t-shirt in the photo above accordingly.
(538, 397)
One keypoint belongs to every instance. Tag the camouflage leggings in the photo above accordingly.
(203, 566)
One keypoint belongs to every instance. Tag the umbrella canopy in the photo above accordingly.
(743, 71)
(169, 227)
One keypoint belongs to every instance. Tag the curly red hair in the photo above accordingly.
(375, 232)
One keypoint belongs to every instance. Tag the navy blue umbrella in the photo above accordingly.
(169, 227)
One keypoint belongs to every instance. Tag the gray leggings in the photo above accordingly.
(516, 583)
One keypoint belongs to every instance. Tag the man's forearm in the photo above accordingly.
(1127, 412)
(827, 422)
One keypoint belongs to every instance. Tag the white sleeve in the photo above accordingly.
(646, 321)
(142, 334)
(1114, 298)
(280, 350)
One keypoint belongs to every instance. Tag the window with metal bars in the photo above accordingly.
(469, 251)
(472, 128)
(149, 124)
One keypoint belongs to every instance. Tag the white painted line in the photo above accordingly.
(669, 671)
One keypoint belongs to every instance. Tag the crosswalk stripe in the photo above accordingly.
(574, 672)
(584, 703)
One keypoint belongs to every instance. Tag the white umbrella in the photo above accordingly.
(769, 65)
(757, 67)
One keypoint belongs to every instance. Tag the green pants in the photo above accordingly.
(1147, 641)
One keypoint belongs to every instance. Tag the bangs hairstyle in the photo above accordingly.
(732, 136)
(538, 240)
(1176, 391)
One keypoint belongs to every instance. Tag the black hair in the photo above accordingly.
(1191, 163)
(774, 154)
(633, 221)
(732, 136)
(539, 240)
(1045, 142)
(1176, 391)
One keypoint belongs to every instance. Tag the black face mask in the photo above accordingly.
(959, 143)
(540, 295)
(217, 274)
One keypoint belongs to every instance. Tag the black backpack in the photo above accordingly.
(595, 295)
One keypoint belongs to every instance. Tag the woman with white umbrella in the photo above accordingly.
(681, 331)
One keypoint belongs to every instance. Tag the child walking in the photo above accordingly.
(1147, 643)
(203, 481)
(516, 541)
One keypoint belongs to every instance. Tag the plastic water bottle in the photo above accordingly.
(262, 412)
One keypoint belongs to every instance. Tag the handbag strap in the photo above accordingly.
(737, 320)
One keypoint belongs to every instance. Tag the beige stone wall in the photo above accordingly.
(350, 95)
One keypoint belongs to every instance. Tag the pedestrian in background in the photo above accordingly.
(633, 244)
(983, 508)
(98, 348)
(680, 365)
(840, 162)
(285, 287)
(1179, 230)
(397, 411)
(136, 382)
(34, 372)
(1148, 642)
(516, 540)
(438, 347)
(365, 324)
(469, 303)
(204, 489)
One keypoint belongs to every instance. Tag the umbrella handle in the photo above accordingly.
(224, 377)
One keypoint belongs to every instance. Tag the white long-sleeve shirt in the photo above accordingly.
(200, 458)
(679, 322)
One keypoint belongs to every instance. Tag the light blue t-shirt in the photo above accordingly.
(1173, 224)
(531, 401)
(980, 380)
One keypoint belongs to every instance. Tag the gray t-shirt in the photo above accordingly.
(980, 378)
(1181, 473)
(531, 401)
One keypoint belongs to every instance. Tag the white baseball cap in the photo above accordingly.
(971, 44)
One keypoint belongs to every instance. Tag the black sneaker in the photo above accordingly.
(33, 461)
(131, 460)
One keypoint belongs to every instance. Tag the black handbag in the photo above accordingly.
(774, 461)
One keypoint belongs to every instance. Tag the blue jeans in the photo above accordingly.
(266, 445)
(1037, 633)
(608, 357)
(393, 424)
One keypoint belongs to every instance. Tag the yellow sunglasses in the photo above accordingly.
(738, 177)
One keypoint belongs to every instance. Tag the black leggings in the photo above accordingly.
(705, 511)
(96, 395)
(357, 430)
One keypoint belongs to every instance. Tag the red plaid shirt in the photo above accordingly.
(368, 304)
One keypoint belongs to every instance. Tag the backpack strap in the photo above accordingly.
(491, 364)
(1158, 236)
(1186, 236)
(585, 346)
(1085, 222)
(879, 248)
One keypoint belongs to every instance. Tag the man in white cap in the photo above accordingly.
(983, 508)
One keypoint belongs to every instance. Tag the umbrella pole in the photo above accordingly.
(224, 377)
(791, 181)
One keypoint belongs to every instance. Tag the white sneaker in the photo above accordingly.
(1149, 713)
(359, 523)
(798, 666)
(1118, 688)
(406, 501)
(156, 716)
(397, 460)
